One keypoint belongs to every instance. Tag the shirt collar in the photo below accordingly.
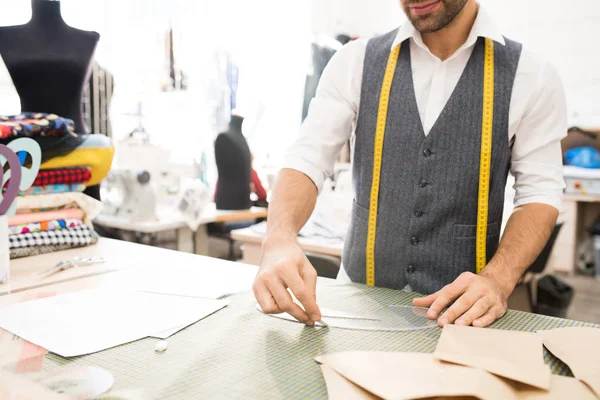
(483, 27)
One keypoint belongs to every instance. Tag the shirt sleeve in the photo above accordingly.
(536, 155)
(332, 115)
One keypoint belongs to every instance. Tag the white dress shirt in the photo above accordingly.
(537, 117)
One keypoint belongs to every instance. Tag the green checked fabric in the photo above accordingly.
(239, 353)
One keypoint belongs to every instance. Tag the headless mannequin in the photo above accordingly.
(232, 155)
(49, 63)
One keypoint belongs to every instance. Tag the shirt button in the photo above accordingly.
(410, 269)
(422, 183)
(414, 240)
(418, 213)
(427, 153)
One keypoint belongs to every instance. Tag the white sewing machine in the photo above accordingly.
(129, 194)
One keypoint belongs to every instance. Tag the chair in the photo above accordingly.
(326, 266)
(539, 265)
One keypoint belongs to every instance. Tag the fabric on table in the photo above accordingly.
(44, 249)
(28, 124)
(78, 236)
(226, 352)
(90, 206)
(53, 225)
(96, 151)
(54, 188)
(44, 216)
(63, 176)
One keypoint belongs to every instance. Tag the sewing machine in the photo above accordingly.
(130, 194)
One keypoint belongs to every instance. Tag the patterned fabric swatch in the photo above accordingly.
(53, 188)
(30, 124)
(37, 250)
(78, 236)
(53, 225)
(63, 176)
(43, 216)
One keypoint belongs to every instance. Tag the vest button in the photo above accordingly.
(423, 183)
(414, 240)
(418, 213)
(410, 269)
(427, 153)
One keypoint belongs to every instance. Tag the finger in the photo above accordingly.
(479, 309)
(425, 301)
(489, 317)
(309, 275)
(460, 306)
(265, 298)
(303, 294)
(447, 295)
(285, 303)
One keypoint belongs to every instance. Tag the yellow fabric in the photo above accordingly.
(99, 159)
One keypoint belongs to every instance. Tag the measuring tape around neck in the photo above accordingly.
(485, 158)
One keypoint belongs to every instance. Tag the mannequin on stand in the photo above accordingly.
(49, 63)
(232, 155)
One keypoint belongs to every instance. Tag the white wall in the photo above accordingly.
(363, 18)
(567, 33)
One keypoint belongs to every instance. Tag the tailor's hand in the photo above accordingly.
(284, 266)
(480, 300)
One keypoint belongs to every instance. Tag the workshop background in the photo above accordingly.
(168, 77)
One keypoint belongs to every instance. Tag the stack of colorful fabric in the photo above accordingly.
(51, 222)
(53, 214)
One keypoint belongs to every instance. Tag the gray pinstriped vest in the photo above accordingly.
(427, 213)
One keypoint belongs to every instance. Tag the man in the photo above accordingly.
(441, 109)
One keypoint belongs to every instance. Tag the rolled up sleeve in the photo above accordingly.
(536, 156)
(332, 116)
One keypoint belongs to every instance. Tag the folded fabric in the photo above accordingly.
(45, 216)
(63, 176)
(90, 206)
(53, 146)
(96, 151)
(80, 235)
(43, 226)
(54, 188)
(30, 124)
(37, 250)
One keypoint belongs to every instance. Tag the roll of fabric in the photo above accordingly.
(44, 216)
(78, 236)
(55, 188)
(63, 176)
(28, 124)
(53, 225)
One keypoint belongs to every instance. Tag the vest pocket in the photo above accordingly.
(360, 212)
(460, 231)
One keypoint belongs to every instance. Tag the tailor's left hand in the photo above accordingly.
(480, 300)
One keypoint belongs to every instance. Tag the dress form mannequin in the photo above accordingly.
(232, 155)
(49, 62)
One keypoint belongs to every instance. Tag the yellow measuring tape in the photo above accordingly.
(485, 158)
(486, 155)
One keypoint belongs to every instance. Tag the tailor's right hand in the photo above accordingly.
(284, 266)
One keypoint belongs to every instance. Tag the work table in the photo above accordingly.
(236, 352)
